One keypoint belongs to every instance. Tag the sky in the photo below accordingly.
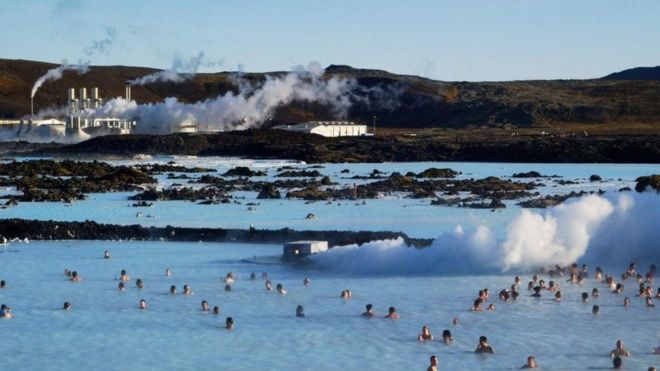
(460, 40)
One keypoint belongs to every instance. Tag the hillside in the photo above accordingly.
(639, 73)
(399, 101)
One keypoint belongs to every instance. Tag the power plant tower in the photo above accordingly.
(128, 91)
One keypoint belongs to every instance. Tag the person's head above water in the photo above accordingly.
(531, 362)
(617, 362)
(66, 305)
(446, 336)
(229, 323)
(172, 289)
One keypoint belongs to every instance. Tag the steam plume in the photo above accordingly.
(181, 70)
(101, 46)
(607, 231)
(56, 74)
(250, 107)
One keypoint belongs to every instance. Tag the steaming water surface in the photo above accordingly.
(106, 328)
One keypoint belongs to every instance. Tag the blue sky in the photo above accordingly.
(446, 40)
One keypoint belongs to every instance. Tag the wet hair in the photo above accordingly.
(216, 310)
(446, 334)
(205, 302)
(392, 310)
(229, 322)
(369, 307)
(483, 339)
(123, 272)
(595, 309)
(617, 362)
(67, 305)
(120, 286)
(74, 274)
(139, 283)
(3, 283)
(477, 302)
(585, 296)
(172, 289)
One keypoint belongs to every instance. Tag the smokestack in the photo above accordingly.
(71, 100)
(84, 102)
(128, 91)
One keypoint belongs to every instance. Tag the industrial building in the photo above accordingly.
(76, 121)
(299, 249)
(328, 128)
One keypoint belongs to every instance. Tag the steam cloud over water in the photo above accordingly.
(250, 107)
(596, 230)
(56, 74)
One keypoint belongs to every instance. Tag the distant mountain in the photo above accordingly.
(398, 101)
(639, 73)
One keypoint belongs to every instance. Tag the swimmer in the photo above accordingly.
(595, 310)
(123, 276)
(531, 363)
(3, 284)
(67, 273)
(434, 364)
(626, 302)
(66, 305)
(456, 322)
(618, 289)
(542, 284)
(229, 323)
(300, 311)
(503, 295)
(595, 294)
(516, 281)
(172, 290)
(280, 289)
(344, 294)
(5, 311)
(168, 272)
(426, 334)
(205, 306)
(216, 310)
(552, 287)
(227, 287)
(139, 284)
(558, 296)
(486, 294)
(392, 314)
(187, 291)
(477, 306)
(619, 351)
(143, 304)
(106, 255)
(369, 312)
(75, 277)
(491, 307)
(269, 286)
(530, 286)
(307, 281)
(649, 302)
(446, 336)
(617, 363)
(483, 346)
(121, 286)
(253, 276)
(537, 292)
(585, 297)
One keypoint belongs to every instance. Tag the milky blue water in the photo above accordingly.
(106, 330)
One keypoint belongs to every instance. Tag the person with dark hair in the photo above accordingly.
(229, 323)
(139, 284)
(477, 305)
(205, 306)
(172, 290)
(483, 346)
(143, 304)
(595, 310)
(392, 314)
(617, 363)
(5, 311)
(434, 364)
(369, 312)
(216, 310)
(585, 297)
(3, 284)
(531, 363)
(75, 277)
(300, 311)
(537, 292)
(446, 336)
(66, 305)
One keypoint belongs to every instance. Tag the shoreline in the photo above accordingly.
(49, 230)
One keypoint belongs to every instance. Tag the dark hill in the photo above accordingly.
(399, 101)
(639, 73)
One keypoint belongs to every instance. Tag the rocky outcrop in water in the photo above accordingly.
(89, 230)
(648, 182)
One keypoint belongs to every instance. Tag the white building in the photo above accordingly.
(328, 128)
(299, 249)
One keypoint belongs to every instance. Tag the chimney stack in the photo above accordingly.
(128, 91)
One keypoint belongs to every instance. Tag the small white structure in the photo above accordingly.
(328, 128)
(299, 249)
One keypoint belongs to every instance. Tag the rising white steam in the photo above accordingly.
(181, 70)
(250, 107)
(607, 231)
(56, 74)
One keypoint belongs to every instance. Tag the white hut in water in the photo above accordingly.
(299, 249)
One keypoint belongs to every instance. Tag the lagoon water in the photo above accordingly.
(106, 330)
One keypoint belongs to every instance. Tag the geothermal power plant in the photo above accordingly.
(79, 119)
